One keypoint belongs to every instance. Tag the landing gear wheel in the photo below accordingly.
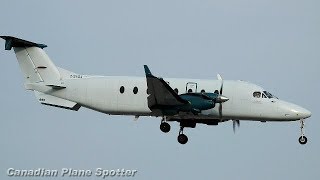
(165, 127)
(182, 139)
(303, 140)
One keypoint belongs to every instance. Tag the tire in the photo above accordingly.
(182, 139)
(303, 140)
(165, 127)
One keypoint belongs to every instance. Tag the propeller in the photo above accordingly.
(221, 99)
(234, 124)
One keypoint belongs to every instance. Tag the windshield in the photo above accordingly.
(269, 95)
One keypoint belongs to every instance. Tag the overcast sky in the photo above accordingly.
(273, 43)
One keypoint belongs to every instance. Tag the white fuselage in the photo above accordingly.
(102, 93)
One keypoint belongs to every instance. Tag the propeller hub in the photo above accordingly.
(221, 99)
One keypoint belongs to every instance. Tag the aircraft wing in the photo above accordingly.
(161, 95)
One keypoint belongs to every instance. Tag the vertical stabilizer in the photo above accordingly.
(35, 64)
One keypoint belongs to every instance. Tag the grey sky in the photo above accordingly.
(273, 43)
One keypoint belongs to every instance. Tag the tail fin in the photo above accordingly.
(35, 64)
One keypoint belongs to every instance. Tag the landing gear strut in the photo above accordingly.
(182, 138)
(302, 139)
(164, 126)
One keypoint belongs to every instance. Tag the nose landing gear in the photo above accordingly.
(302, 139)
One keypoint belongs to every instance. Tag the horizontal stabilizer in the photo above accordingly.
(42, 86)
(49, 100)
(56, 86)
(16, 42)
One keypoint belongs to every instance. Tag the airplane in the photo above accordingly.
(186, 101)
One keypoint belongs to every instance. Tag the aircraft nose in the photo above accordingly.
(305, 113)
(301, 112)
(292, 111)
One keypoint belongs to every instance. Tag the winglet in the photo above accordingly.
(147, 71)
(16, 42)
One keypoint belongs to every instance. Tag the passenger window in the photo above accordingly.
(257, 94)
(135, 90)
(121, 89)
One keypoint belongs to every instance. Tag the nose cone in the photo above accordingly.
(299, 112)
(304, 113)
(221, 99)
(292, 111)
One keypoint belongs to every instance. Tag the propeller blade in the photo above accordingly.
(221, 87)
(219, 77)
(220, 111)
(219, 99)
(234, 124)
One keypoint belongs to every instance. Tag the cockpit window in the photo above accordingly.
(264, 96)
(257, 94)
(269, 95)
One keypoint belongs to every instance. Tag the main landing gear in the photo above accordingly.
(182, 138)
(302, 139)
(165, 127)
